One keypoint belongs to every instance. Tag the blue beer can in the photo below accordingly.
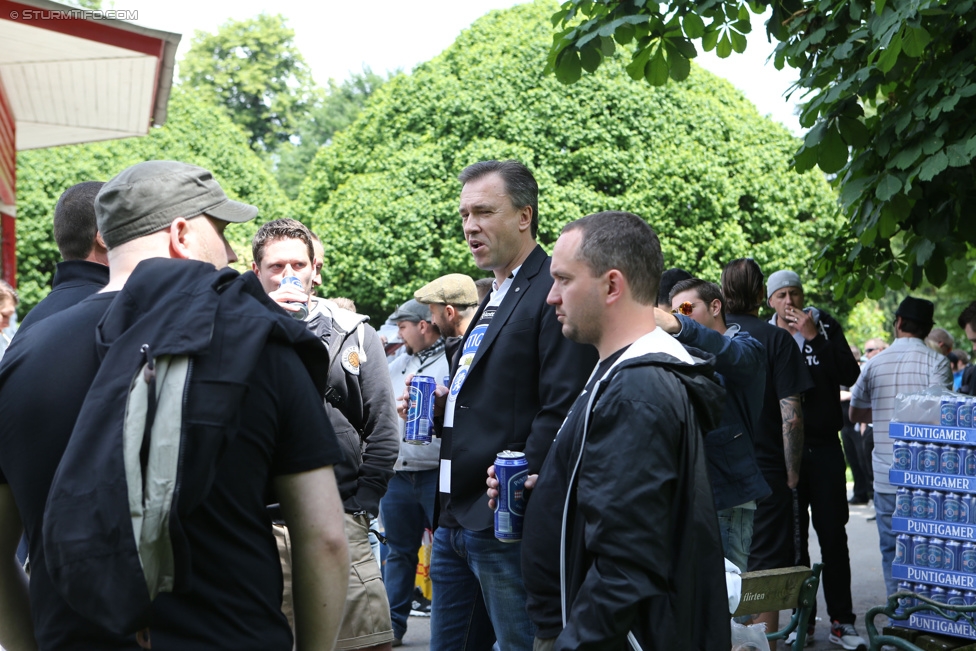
(929, 458)
(968, 562)
(447, 381)
(948, 412)
(938, 593)
(903, 549)
(952, 556)
(922, 590)
(934, 550)
(933, 505)
(969, 597)
(511, 469)
(950, 463)
(916, 450)
(302, 307)
(952, 508)
(903, 503)
(919, 500)
(954, 597)
(920, 551)
(905, 602)
(420, 414)
(964, 508)
(969, 461)
(964, 413)
(901, 456)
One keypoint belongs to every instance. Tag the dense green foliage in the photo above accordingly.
(334, 108)
(695, 160)
(890, 90)
(253, 69)
(194, 133)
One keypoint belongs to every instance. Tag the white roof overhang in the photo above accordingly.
(74, 75)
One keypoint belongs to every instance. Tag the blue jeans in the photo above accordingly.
(884, 504)
(478, 593)
(407, 509)
(735, 525)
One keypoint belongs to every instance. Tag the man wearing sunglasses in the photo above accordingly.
(737, 483)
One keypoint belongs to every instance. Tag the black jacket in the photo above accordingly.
(831, 365)
(524, 377)
(642, 547)
(222, 321)
(74, 281)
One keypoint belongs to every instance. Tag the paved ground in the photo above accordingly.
(867, 585)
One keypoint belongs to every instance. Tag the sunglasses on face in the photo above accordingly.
(870, 350)
(684, 308)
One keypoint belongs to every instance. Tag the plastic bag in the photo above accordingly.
(922, 408)
(749, 638)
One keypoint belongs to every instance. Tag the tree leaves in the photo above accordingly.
(890, 90)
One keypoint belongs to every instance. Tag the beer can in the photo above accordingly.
(964, 508)
(919, 499)
(954, 597)
(938, 593)
(969, 462)
(929, 458)
(420, 414)
(511, 469)
(903, 503)
(964, 413)
(969, 597)
(968, 562)
(905, 602)
(920, 553)
(916, 449)
(922, 590)
(901, 456)
(951, 460)
(948, 412)
(933, 505)
(303, 307)
(934, 550)
(952, 508)
(903, 547)
(952, 556)
(447, 381)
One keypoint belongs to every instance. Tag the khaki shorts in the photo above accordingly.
(366, 619)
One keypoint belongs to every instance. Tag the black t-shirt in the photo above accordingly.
(540, 539)
(235, 597)
(786, 375)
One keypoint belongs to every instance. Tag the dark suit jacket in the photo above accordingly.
(523, 380)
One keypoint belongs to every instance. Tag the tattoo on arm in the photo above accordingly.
(792, 415)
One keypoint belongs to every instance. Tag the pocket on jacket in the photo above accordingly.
(514, 327)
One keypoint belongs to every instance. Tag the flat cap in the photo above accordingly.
(453, 289)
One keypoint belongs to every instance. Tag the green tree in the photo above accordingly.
(696, 160)
(253, 69)
(890, 88)
(194, 133)
(334, 108)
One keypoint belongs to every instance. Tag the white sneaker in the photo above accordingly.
(846, 636)
(791, 638)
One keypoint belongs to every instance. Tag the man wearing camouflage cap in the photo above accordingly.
(453, 300)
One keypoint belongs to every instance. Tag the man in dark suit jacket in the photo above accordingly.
(512, 384)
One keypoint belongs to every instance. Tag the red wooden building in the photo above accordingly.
(69, 76)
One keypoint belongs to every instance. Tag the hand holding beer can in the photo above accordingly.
(302, 307)
(420, 414)
(511, 470)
